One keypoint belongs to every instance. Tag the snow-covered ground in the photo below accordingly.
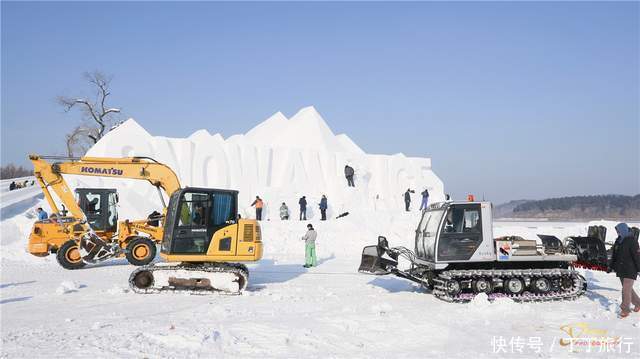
(288, 311)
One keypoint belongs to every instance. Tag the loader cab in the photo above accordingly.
(194, 215)
(100, 207)
(455, 232)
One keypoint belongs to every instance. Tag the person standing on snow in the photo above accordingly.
(348, 173)
(310, 247)
(258, 203)
(625, 261)
(425, 199)
(284, 212)
(42, 215)
(407, 199)
(323, 208)
(303, 208)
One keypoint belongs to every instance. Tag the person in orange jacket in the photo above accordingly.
(259, 204)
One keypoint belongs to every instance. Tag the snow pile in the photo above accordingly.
(68, 286)
(280, 159)
(118, 289)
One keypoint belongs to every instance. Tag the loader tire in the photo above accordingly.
(68, 255)
(140, 251)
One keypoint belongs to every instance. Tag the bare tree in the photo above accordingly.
(79, 140)
(96, 114)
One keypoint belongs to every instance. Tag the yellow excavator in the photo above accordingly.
(86, 230)
(203, 237)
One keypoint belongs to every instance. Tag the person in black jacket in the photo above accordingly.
(625, 261)
(407, 199)
(303, 208)
(348, 174)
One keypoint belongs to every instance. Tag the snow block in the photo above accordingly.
(280, 160)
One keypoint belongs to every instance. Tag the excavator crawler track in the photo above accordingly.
(200, 279)
(564, 284)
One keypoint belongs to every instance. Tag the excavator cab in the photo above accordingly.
(203, 231)
(100, 207)
(202, 224)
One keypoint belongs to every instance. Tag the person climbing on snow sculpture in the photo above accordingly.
(258, 203)
(425, 199)
(323, 208)
(348, 174)
(303, 208)
(407, 199)
(284, 212)
(310, 247)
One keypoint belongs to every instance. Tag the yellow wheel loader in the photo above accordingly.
(57, 235)
(87, 230)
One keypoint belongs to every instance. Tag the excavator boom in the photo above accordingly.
(142, 168)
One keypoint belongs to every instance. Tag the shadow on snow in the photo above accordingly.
(17, 299)
(15, 284)
(267, 271)
(395, 285)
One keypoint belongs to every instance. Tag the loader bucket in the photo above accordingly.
(377, 259)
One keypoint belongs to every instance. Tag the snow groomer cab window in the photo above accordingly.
(199, 216)
(427, 233)
(461, 233)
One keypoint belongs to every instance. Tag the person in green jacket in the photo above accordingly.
(310, 247)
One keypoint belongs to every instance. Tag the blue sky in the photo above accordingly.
(510, 100)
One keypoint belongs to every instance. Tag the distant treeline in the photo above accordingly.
(579, 207)
(13, 171)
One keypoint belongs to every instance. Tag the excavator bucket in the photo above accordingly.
(377, 259)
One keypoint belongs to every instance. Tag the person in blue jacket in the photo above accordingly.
(425, 200)
(42, 215)
(303, 208)
(323, 208)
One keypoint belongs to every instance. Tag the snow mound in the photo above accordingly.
(279, 159)
(381, 309)
(68, 287)
(117, 289)
(481, 300)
